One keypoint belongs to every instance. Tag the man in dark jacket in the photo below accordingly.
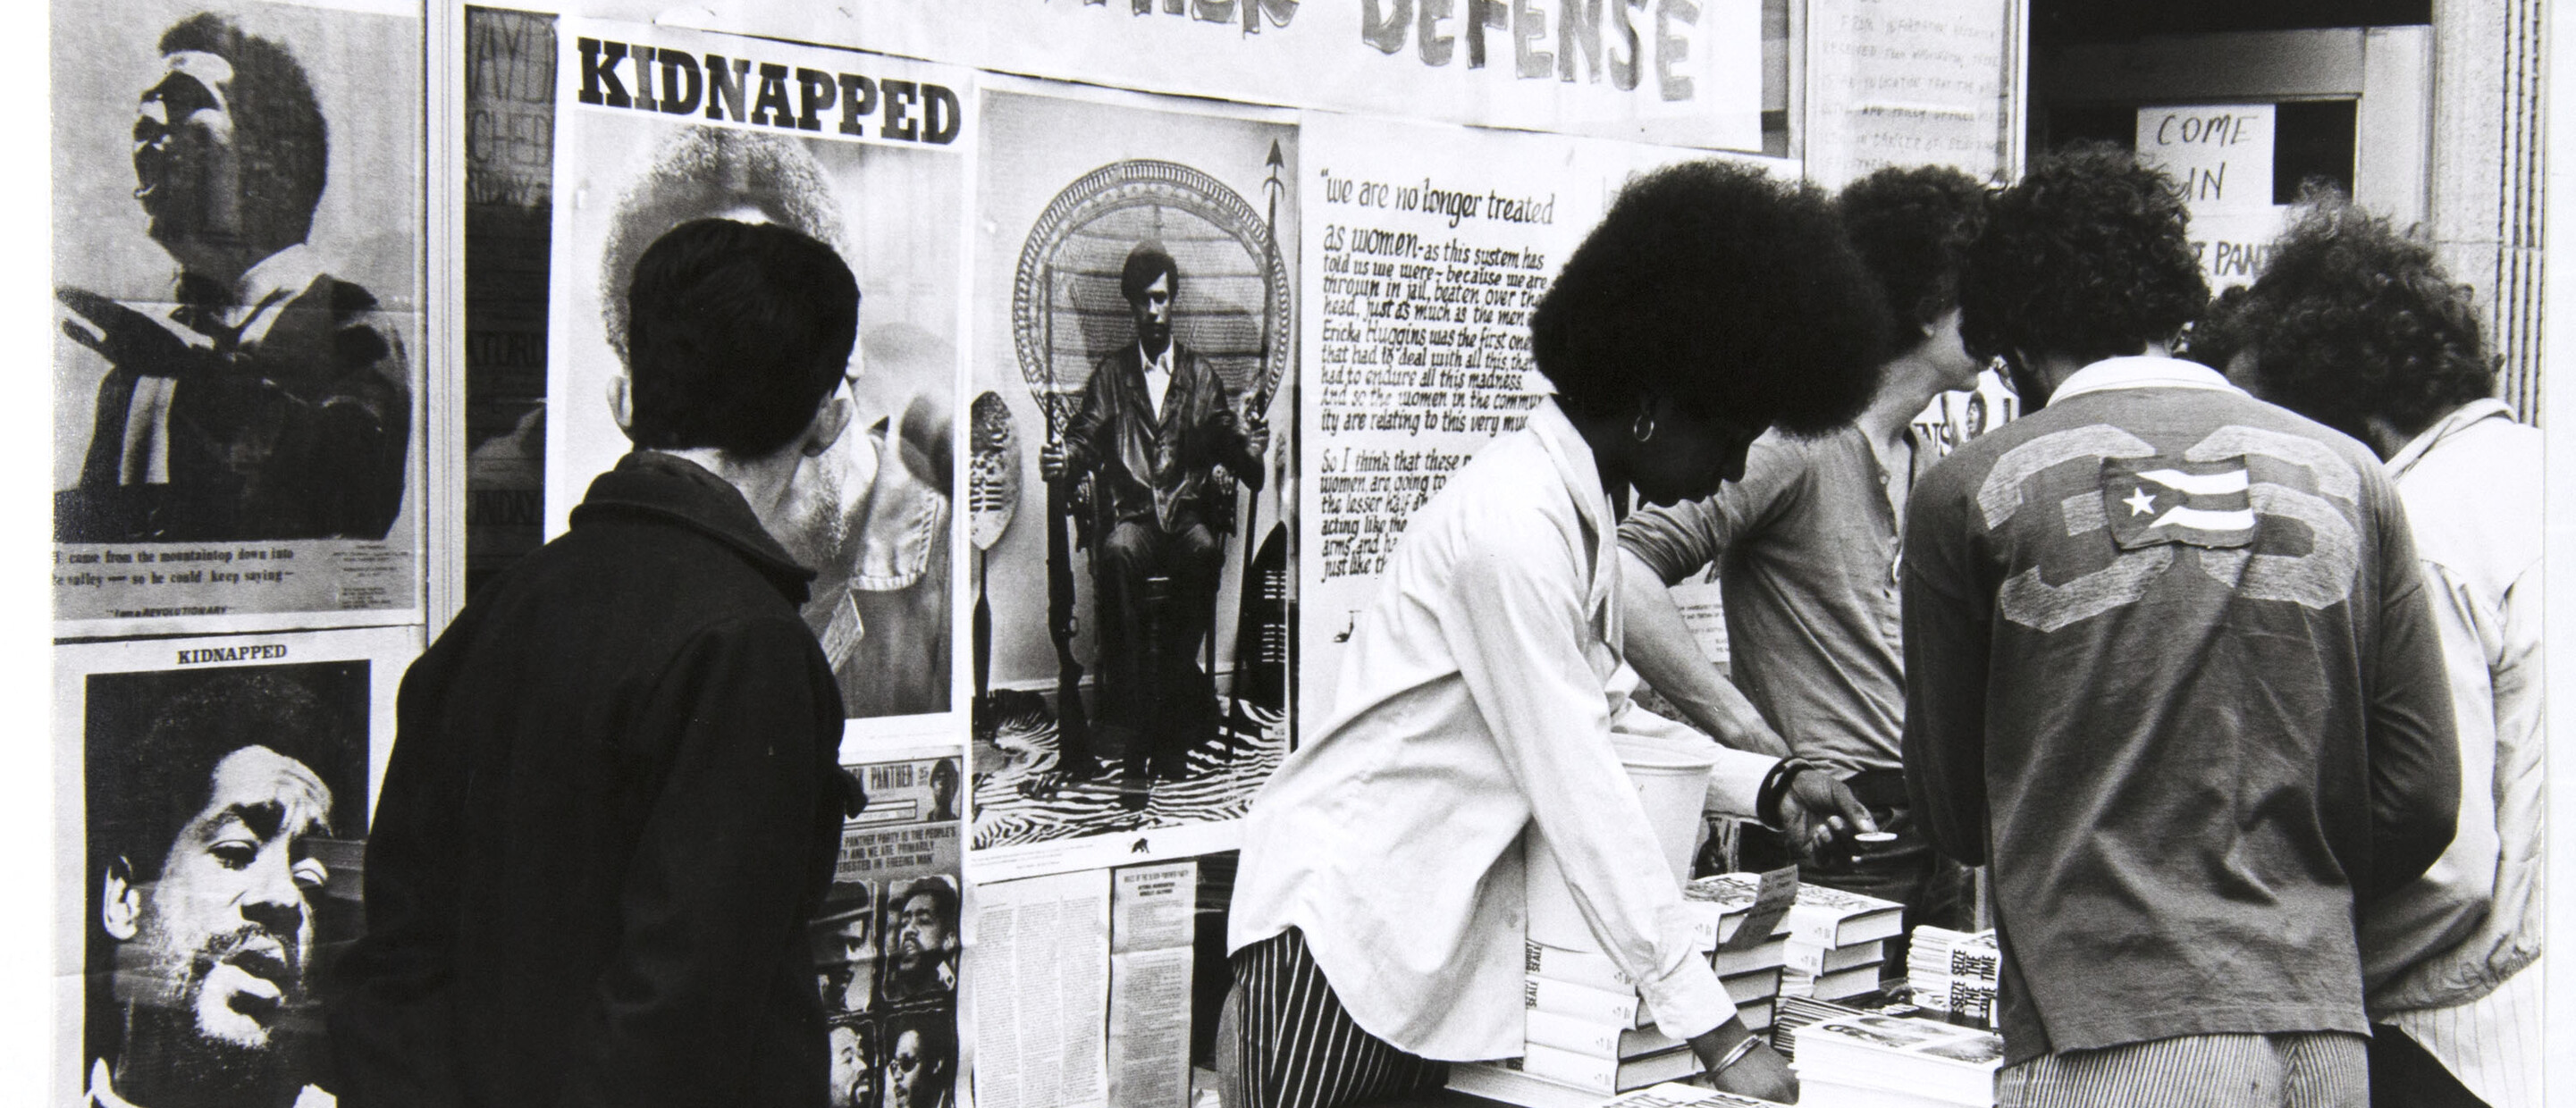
(613, 803)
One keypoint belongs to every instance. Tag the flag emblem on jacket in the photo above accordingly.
(2150, 501)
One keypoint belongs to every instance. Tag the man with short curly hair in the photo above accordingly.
(2172, 675)
(1805, 548)
(2356, 326)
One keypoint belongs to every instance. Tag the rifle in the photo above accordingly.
(1073, 727)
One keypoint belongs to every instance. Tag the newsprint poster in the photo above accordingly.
(657, 127)
(887, 941)
(1431, 246)
(213, 822)
(1134, 324)
(237, 371)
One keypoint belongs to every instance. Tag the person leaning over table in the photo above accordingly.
(1377, 919)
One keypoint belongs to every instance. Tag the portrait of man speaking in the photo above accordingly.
(257, 396)
(211, 798)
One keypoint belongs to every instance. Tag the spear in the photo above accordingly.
(1263, 389)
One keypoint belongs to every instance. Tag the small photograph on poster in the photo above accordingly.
(921, 1059)
(237, 382)
(1132, 362)
(222, 811)
(657, 127)
(921, 941)
(886, 941)
(857, 1074)
(845, 948)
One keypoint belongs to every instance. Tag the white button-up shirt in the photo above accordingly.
(1478, 699)
(2472, 488)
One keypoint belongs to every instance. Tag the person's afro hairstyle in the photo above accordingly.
(736, 334)
(283, 142)
(1723, 289)
(1144, 263)
(2353, 319)
(2086, 257)
(1913, 225)
(2220, 333)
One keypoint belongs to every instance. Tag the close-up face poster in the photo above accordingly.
(1290, 554)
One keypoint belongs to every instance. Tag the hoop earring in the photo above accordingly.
(1643, 427)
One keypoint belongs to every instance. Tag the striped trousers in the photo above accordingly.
(2305, 1069)
(1293, 1044)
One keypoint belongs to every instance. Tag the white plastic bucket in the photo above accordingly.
(1671, 778)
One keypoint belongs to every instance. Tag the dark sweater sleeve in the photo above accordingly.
(724, 874)
(1948, 648)
(2410, 733)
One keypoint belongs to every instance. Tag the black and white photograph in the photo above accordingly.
(883, 187)
(1137, 331)
(237, 377)
(1287, 554)
(222, 787)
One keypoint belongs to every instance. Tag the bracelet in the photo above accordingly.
(1742, 1047)
(1766, 800)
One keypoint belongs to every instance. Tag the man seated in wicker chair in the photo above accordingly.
(1161, 442)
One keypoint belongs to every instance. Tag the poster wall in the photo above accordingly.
(1136, 291)
(887, 941)
(656, 127)
(214, 807)
(236, 370)
(1431, 246)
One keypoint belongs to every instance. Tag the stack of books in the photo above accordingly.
(1954, 972)
(1836, 939)
(1879, 1061)
(1795, 1012)
(1587, 1031)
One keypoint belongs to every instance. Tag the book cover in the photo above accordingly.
(1608, 1075)
(1581, 1001)
(1902, 1054)
(1593, 1038)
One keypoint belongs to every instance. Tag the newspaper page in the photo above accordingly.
(1039, 991)
(1680, 72)
(887, 941)
(1431, 246)
(1135, 320)
(1152, 913)
(236, 271)
(657, 126)
(195, 774)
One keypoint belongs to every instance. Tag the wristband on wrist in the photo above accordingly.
(1766, 800)
(1742, 1047)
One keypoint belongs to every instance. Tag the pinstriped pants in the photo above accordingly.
(1295, 1046)
(2310, 1069)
